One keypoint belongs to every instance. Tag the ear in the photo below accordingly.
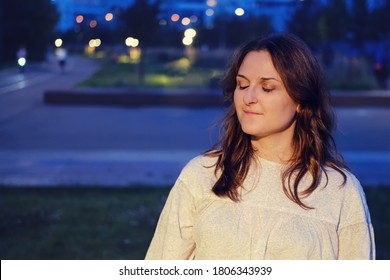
(298, 108)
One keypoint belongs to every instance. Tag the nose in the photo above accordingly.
(250, 97)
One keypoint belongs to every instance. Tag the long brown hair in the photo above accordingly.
(314, 148)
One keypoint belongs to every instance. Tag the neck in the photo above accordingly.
(277, 147)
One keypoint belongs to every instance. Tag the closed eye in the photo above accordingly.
(242, 87)
(268, 89)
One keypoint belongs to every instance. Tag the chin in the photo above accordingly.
(253, 132)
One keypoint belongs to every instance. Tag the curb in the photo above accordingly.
(135, 98)
(188, 98)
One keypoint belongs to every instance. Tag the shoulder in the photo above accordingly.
(198, 176)
(202, 166)
(348, 185)
(353, 204)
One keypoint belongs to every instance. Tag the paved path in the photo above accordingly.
(60, 145)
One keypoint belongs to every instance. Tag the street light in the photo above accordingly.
(134, 52)
(239, 12)
(132, 42)
(190, 32)
(94, 43)
(187, 41)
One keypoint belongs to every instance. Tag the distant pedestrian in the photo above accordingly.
(275, 186)
(61, 54)
(381, 71)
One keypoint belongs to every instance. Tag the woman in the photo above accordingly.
(274, 187)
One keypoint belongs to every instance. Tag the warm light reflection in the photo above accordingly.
(79, 19)
(175, 17)
(89, 50)
(135, 55)
(109, 17)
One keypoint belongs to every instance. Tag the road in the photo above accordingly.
(51, 145)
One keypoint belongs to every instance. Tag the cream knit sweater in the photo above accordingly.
(265, 224)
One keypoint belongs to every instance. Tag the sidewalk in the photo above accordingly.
(34, 151)
(137, 168)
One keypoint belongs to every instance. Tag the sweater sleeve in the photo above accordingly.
(173, 238)
(356, 234)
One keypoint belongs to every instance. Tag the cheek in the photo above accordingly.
(237, 100)
(286, 105)
(289, 112)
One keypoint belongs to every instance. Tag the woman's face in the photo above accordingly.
(263, 106)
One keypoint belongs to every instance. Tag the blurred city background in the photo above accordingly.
(103, 102)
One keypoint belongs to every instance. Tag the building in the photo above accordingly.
(178, 12)
(90, 12)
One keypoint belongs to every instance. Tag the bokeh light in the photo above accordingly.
(209, 12)
(239, 12)
(94, 43)
(185, 21)
(193, 18)
(187, 41)
(22, 61)
(132, 42)
(211, 3)
(109, 17)
(93, 23)
(175, 17)
(162, 22)
(190, 32)
(79, 19)
(58, 42)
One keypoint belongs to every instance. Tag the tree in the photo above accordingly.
(335, 22)
(140, 21)
(27, 23)
(244, 29)
(236, 31)
(305, 22)
(1, 33)
(380, 22)
(360, 23)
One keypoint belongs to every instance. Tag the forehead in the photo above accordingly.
(259, 64)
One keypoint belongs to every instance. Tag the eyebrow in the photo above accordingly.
(262, 78)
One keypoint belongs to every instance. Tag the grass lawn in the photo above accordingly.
(108, 223)
(78, 223)
(203, 70)
(168, 72)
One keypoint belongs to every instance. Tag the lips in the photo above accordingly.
(251, 112)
